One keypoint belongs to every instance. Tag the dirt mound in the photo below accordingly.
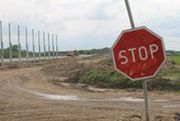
(166, 117)
(69, 69)
(70, 66)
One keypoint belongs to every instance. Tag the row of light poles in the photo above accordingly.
(50, 53)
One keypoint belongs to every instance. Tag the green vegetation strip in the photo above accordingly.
(105, 77)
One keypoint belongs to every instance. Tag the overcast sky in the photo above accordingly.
(86, 24)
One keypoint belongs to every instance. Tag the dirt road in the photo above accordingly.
(26, 94)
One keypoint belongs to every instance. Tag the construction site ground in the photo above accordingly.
(27, 93)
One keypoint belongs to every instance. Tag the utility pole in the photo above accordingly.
(49, 54)
(10, 44)
(19, 44)
(53, 46)
(44, 44)
(27, 49)
(1, 41)
(57, 46)
(39, 47)
(33, 45)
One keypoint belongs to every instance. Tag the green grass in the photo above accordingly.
(106, 77)
(175, 59)
(112, 79)
(172, 73)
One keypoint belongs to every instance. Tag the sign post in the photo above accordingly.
(146, 99)
(130, 14)
(145, 81)
(138, 53)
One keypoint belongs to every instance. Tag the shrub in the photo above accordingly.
(112, 79)
(108, 79)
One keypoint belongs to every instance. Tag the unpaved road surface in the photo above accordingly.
(26, 94)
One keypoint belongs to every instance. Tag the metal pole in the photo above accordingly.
(53, 46)
(19, 44)
(10, 44)
(146, 99)
(33, 45)
(49, 54)
(39, 47)
(145, 81)
(56, 46)
(130, 14)
(44, 45)
(27, 49)
(2, 50)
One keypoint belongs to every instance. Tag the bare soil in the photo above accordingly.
(29, 92)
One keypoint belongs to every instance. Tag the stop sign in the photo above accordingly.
(138, 53)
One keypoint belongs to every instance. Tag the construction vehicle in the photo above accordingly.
(72, 53)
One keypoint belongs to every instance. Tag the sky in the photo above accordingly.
(87, 24)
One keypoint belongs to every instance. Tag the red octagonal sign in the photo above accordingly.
(138, 53)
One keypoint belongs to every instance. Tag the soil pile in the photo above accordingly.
(70, 69)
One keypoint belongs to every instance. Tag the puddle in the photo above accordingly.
(172, 106)
(57, 97)
(123, 99)
(77, 98)
(160, 100)
(52, 96)
(127, 99)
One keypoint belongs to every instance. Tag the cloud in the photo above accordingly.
(85, 24)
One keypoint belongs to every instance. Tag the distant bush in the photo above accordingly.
(95, 51)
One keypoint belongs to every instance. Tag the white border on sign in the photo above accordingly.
(130, 30)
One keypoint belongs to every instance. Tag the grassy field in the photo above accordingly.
(174, 59)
